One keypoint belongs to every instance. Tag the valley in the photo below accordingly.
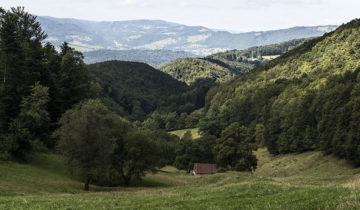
(117, 115)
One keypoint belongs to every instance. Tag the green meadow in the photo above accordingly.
(295, 181)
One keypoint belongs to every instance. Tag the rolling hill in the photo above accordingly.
(306, 99)
(134, 89)
(223, 66)
(315, 182)
(154, 58)
(244, 60)
(156, 34)
(189, 70)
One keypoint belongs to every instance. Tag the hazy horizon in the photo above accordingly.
(215, 29)
(230, 15)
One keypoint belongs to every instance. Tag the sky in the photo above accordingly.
(232, 15)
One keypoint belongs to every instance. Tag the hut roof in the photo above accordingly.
(203, 168)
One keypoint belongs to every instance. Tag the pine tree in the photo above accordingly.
(28, 130)
(20, 47)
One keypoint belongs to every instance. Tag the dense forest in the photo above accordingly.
(110, 120)
(224, 66)
(306, 99)
(134, 90)
(49, 103)
(189, 70)
(52, 102)
(38, 83)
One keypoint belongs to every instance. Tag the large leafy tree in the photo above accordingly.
(234, 150)
(166, 143)
(185, 153)
(135, 154)
(99, 145)
(87, 138)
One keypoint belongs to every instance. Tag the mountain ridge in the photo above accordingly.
(306, 99)
(87, 35)
(154, 58)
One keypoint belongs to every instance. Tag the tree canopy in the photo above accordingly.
(38, 84)
(305, 99)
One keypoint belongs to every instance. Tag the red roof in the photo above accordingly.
(202, 168)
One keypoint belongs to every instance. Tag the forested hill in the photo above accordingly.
(135, 89)
(154, 58)
(190, 69)
(224, 66)
(244, 60)
(308, 98)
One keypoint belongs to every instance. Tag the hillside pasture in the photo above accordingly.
(180, 133)
(305, 181)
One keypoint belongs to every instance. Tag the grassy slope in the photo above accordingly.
(180, 133)
(309, 168)
(315, 182)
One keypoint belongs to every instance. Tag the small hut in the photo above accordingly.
(202, 168)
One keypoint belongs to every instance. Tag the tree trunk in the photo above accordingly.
(127, 180)
(87, 182)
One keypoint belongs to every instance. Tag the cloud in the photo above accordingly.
(185, 4)
(285, 2)
(127, 3)
(135, 3)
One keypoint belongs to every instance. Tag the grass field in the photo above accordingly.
(194, 132)
(270, 57)
(304, 181)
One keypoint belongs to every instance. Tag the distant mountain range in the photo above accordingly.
(154, 58)
(156, 34)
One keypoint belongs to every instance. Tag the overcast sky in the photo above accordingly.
(235, 15)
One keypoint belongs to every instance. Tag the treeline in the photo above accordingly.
(244, 60)
(222, 67)
(171, 120)
(135, 90)
(304, 100)
(103, 148)
(50, 103)
(154, 58)
(233, 150)
(37, 85)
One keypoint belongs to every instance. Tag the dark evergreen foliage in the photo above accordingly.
(135, 90)
(25, 62)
